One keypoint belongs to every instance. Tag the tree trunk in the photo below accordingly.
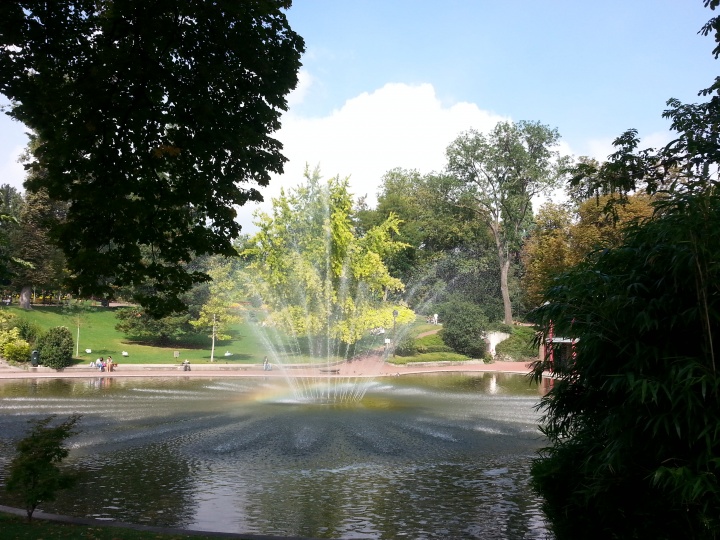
(504, 261)
(504, 269)
(25, 297)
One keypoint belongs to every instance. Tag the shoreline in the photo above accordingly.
(359, 368)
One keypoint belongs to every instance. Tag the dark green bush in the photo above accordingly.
(56, 347)
(520, 345)
(464, 325)
(633, 421)
(406, 347)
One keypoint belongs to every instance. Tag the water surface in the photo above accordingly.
(432, 456)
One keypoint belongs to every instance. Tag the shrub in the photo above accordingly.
(17, 351)
(56, 347)
(406, 347)
(633, 421)
(520, 345)
(29, 331)
(34, 473)
(463, 327)
(8, 336)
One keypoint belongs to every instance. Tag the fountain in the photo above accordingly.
(320, 452)
(435, 456)
(322, 292)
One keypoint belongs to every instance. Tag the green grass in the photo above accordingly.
(519, 346)
(17, 528)
(97, 333)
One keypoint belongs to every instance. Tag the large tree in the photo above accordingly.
(42, 264)
(497, 175)
(319, 277)
(153, 120)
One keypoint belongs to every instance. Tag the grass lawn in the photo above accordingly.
(17, 528)
(97, 333)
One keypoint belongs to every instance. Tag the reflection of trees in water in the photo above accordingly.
(153, 486)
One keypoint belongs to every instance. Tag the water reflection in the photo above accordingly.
(436, 456)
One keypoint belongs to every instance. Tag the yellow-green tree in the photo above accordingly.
(319, 278)
(220, 310)
(562, 237)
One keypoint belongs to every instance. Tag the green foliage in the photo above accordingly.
(319, 277)
(497, 175)
(8, 336)
(17, 351)
(33, 472)
(634, 421)
(406, 347)
(138, 324)
(520, 345)
(28, 330)
(148, 118)
(56, 347)
(464, 325)
(431, 344)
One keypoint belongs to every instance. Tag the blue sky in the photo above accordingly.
(389, 83)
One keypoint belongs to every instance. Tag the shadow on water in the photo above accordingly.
(417, 457)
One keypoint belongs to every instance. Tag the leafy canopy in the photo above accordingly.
(316, 274)
(633, 421)
(149, 119)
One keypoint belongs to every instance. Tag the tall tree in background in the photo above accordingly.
(149, 118)
(562, 237)
(497, 175)
(10, 204)
(44, 263)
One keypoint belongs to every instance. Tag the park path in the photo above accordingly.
(368, 366)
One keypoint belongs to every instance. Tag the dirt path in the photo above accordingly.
(369, 366)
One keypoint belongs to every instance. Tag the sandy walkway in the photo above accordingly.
(372, 366)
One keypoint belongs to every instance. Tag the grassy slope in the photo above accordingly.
(97, 333)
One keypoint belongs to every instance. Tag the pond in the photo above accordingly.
(431, 456)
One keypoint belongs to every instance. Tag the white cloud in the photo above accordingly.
(304, 84)
(398, 125)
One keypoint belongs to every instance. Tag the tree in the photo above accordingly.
(34, 471)
(561, 237)
(29, 241)
(497, 175)
(632, 422)
(319, 277)
(56, 347)
(148, 118)
(547, 251)
(220, 309)
(138, 324)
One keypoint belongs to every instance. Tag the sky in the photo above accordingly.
(391, 83)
